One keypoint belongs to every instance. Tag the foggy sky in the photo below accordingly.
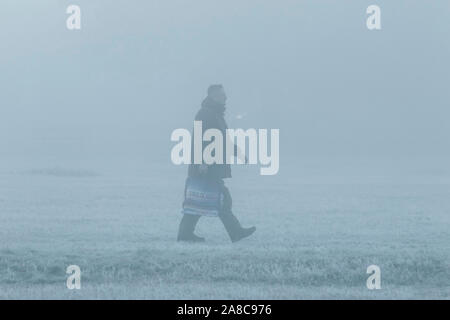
(137, 70)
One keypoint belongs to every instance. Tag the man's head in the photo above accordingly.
(217, 93)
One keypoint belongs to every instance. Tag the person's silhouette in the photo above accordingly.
(211, 114)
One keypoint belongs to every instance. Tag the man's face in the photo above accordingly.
(219, 96)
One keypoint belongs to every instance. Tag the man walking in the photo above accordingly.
(212, 114)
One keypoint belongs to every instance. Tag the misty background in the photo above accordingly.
(348, 101)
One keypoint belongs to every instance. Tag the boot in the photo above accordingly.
(186, 229)
(234, 228)
(244, 233)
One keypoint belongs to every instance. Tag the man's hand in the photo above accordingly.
(239, 154)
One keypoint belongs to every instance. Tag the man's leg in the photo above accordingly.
(229, 220)
(187, 227)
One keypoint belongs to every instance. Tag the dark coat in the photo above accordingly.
(212, 116)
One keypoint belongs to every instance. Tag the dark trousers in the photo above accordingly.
(230, 222)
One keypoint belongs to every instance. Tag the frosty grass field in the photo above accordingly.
(314, 239)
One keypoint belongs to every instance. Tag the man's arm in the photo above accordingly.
(208, 122)
(239, 154)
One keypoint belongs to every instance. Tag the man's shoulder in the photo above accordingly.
(204, 114)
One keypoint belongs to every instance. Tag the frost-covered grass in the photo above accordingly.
(314, 240)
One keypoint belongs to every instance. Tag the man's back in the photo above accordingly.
(211, 114)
